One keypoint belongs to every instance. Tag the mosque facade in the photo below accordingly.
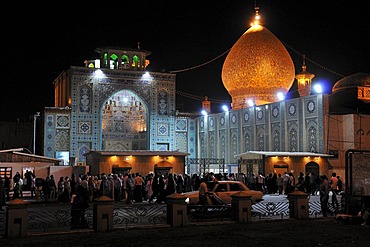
(113, 104)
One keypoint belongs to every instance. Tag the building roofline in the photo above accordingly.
(139, 152)
(271, 154)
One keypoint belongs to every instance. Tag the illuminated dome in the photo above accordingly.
(257, 67)
(351, 94)
(351, 82)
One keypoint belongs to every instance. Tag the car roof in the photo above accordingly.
(228, 182)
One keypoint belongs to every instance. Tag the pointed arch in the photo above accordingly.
(124, 122)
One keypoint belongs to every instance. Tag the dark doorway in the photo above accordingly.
(280, 167)
(313, 167)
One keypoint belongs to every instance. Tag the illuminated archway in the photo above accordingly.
(124, 122)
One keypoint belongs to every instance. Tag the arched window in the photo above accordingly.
(105, 57)
(113, 61)
(125, 59)
(125, 62)
(135, 61)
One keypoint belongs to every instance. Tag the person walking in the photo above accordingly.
(7, 184)
(130, 185)
(313, 183)
(279, 184)
(203, 190)
(261, 182)
(138, 193)
(149, 187)
(155, 188)
(53, 187)
(79, 204)
(285, 182)
(334, 190)
(324, 194)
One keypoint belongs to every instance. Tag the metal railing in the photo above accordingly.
(57, 218)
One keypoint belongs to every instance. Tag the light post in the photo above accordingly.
(35, 116)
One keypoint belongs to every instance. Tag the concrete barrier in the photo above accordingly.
(103, 214)
(177, 214)
(298, 205)
(241, 204)
(16, 219)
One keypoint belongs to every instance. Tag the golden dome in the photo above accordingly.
(257, 67)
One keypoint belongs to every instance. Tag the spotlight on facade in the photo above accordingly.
(318, 88)
(225, 108)
(146, 76)
(204, 113)
(280, 96)
(98, 73)
(250, 102)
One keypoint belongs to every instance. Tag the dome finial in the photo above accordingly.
(257, 16)
(304, 67)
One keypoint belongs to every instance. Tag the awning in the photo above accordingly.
(260, 154)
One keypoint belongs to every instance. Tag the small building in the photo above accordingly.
(280, 162)
(136, 161)
(21, 160)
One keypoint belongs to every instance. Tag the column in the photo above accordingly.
(103, 214)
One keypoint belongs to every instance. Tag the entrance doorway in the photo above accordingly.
(280, 167)
(313, 167)
(163, 168)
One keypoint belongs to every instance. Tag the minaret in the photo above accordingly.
(206, 105)
(304, 79)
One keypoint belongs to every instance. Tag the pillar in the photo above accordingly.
(241, 203)
(177, 214)
(103, 214)
(298, 205)
(16, 219)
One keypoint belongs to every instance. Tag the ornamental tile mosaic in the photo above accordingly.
(233, 118)
(163, 129)
(181, 124)
(292, 108)
(162, 146)
(83, 147)
(62, 121)
(84, 127)
(246, 117)
(181, 142)
(275, 112)
(222, 121)
(62, 140)
(162, 103)
(85, 99)
(311, 106)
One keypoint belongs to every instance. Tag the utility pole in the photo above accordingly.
(35, 116)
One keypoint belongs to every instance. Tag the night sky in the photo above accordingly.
(40, 39)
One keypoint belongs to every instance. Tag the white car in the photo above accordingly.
(221, 191)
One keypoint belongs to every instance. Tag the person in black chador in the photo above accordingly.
(80, 202)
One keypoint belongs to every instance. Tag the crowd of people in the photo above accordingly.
(285, 183)
(135, 187)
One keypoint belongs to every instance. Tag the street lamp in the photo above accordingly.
(35, 116)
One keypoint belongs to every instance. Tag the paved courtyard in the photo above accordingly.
(310, 232)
